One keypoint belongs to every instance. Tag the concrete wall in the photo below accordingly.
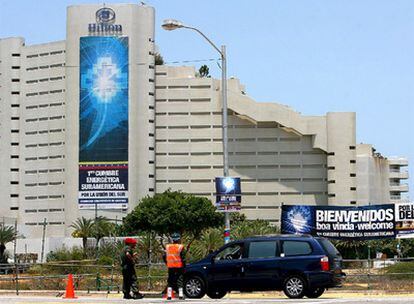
(10, 108)
(341, 148)
(43, 139)
(34, 245)
(281, 156)
(372, 177)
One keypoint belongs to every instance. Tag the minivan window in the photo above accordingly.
(232, 252)
(291, 248)
(329, 247)
(265, 249)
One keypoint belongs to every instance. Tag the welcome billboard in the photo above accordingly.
(362, 222)
(103, 123)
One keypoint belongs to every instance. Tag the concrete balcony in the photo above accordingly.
(398, 161)
(398, 199)
(399, 188)
(398, 174)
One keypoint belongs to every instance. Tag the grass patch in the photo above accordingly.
(400, 271)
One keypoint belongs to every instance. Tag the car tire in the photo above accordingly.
(194, 287)
(216, 293)
(294, 287)
(314, 292)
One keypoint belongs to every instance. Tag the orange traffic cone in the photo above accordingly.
(169, 295)
(70, 290)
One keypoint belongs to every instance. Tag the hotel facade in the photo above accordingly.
(91, 125)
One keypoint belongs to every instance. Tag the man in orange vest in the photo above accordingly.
(174, 257)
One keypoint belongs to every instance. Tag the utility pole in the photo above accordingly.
(43, 240)
(171, 25)
(15, 240)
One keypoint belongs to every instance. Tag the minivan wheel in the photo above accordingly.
(314, 292)
(216, 293)
(294, 287)
(194, 287)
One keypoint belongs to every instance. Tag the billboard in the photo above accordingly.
(364, 222)
(103, 122)
(404, 220)
(228, 194)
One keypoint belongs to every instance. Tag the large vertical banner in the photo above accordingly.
(103, 123)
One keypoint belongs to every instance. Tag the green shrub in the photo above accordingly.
(402, 271)
(109, 252)
(65, 254)
(105, 260)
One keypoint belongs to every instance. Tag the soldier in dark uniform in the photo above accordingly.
(130, 282)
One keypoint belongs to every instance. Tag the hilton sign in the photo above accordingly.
(105, 19)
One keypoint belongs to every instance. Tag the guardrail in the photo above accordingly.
(361, 274)
(379, 274)
(52, 276)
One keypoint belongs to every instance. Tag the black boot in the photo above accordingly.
(138, 296)
(127, 296)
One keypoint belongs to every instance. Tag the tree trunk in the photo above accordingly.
(84, 244)
(2, 250)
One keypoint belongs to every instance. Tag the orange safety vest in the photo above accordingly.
(174, 256)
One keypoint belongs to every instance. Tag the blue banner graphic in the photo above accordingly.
(103, 122)
(228, 194)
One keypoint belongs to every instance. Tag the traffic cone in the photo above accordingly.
(70, 290)
(169, 295)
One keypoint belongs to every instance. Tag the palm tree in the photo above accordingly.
(204, 71)
(209, 241)
(7, 234)
(158, 59)
(84, 228)
(351, 248)
(102, 227)
(149, 246)
(249, 228)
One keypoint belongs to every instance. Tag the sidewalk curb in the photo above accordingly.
(233, 295)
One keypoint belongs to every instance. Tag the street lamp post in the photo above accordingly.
(172, 24)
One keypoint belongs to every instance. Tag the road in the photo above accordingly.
(351, 299)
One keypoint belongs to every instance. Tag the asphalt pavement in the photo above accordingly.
(327, 299)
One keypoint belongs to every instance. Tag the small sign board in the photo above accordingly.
(228, 194)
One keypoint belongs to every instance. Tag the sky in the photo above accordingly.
(316, 56)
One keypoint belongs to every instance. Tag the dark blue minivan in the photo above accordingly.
(300, 265)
